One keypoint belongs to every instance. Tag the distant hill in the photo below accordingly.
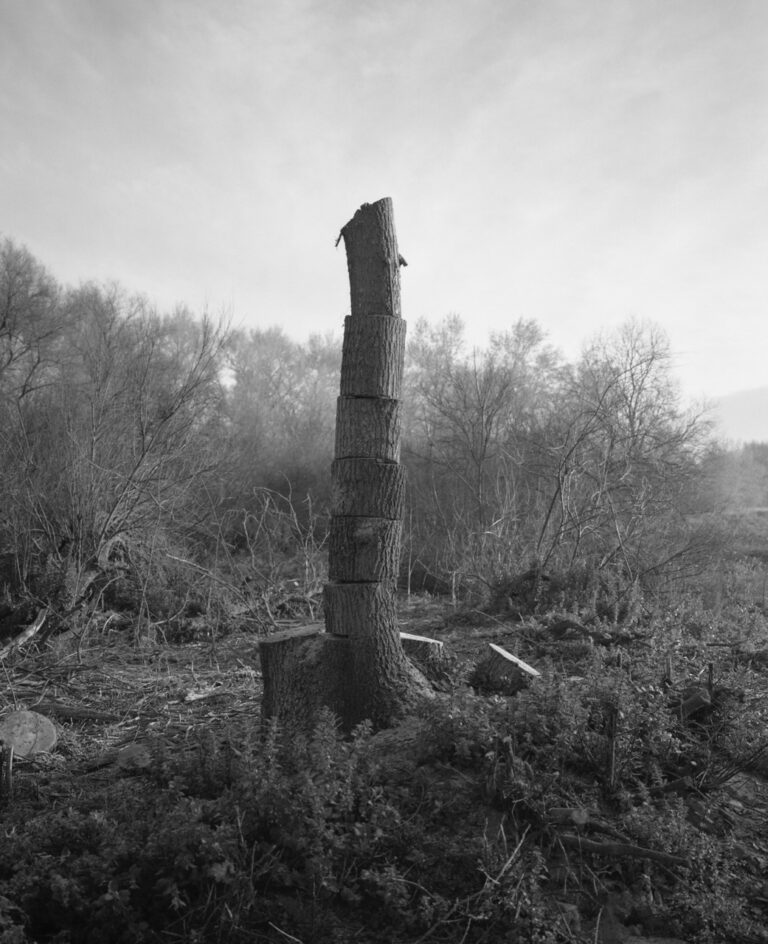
(743, 416)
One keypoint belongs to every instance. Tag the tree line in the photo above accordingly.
(141, 447)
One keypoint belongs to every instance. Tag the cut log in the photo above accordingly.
(22, 733)
(367, 428)
(372, 356)
(27, 732)
(364, 550)
(349, 605)
(368, 488)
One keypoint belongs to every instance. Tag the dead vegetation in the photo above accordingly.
(618, 794)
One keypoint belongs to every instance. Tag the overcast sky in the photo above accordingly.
(576, 162)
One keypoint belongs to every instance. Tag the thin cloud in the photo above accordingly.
(571, 162)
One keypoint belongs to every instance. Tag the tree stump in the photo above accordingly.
(428, 654)
(502, 672)
(359, 668)
(303, 670)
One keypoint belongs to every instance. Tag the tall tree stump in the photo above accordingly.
(362, 641)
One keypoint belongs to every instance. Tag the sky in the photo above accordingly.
(574, 162)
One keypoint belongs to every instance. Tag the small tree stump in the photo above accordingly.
(428, 654)
(502, 672)
(504, 662)
(303, 671)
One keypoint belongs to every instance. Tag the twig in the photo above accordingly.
(285, 933)
(620, 849)
(489, 880)
(597, 926)
(208, 573)
(74, 712)
(26, 635)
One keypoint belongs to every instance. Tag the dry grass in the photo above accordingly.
(112, 694)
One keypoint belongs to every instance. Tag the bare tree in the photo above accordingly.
(471, 444)
(622, 462)
(29, 319)
(109, 449)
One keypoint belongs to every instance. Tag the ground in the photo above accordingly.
(122, 708)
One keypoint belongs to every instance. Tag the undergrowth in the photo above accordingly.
(469, 837)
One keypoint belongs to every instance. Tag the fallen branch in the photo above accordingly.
(74, 712)
(620, 850)
(26, 635)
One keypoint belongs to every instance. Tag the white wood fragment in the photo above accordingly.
(513, 660)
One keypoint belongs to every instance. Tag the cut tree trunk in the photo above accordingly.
(370, 488)
(374, 367)
(364, 549)
(358, 668)
(368, 428)
(369, 485)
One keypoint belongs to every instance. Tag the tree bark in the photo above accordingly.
(370, 488)
(373, 261)
(358, 667)
(372, 357)
(428, 654)
(364, 549)
(368, 428)
(303, 671)
(369, 485)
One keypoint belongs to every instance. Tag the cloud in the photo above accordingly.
(571, 162)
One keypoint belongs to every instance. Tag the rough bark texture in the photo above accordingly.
(347, 604)
(368, 487)
(359, 668)
(374, 367)
(303, 671)
(365, 529)
(373, 261)
(364, 549)
(382, 683)
(367, 428)
(427, 653)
